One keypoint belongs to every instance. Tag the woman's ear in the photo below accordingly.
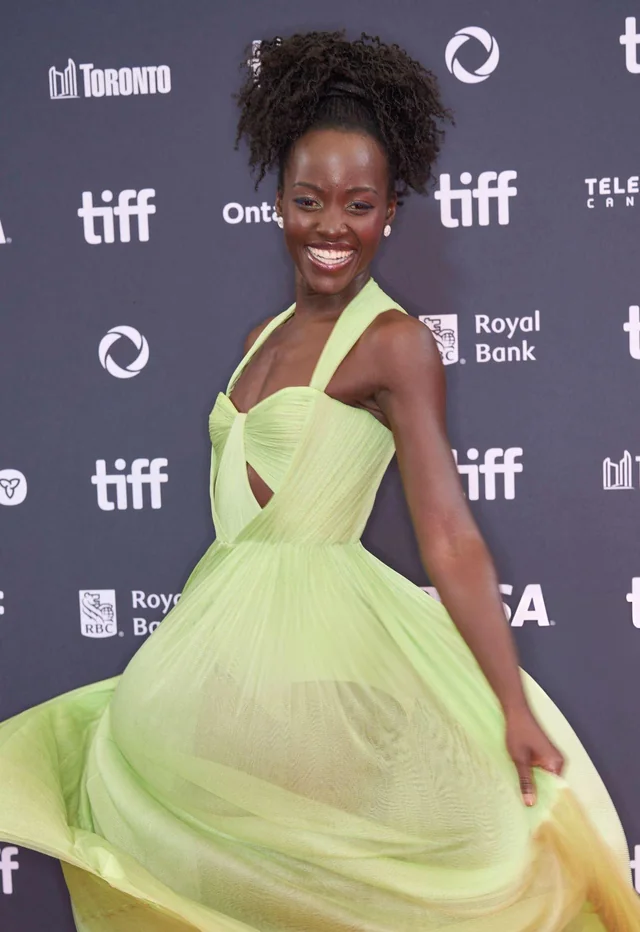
(391, 208)
(279, 203)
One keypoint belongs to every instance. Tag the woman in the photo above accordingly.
(308, 741)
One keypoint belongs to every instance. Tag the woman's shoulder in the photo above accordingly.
(393, 323)
(398, 340)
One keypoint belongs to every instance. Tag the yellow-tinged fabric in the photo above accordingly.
(306, 744)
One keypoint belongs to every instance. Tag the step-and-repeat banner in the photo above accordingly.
(135, 255)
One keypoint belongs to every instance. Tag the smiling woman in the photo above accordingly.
(308, 742)
(330, 223)
(344, 139)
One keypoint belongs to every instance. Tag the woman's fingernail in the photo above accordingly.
(529, 799)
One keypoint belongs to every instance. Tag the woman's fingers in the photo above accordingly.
(554, 763)
(527, 782)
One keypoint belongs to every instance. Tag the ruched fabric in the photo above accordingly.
(306, 744)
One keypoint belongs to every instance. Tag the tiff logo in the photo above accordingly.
(632, 327)
(492, 186)
(633, 598)
(618, 475)
(7, 866)
(635, 867)
(497, 462)
(130, 204)
(630, 40)
(143, 472)
(1, 600)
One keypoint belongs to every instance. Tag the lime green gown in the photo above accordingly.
(306, 743)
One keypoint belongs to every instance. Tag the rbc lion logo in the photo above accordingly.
(444, 328)
(98, 613)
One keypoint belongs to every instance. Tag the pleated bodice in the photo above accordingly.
(323, 459)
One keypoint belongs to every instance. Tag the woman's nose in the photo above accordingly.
(331, 222)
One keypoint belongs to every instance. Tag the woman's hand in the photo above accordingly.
(529, 747)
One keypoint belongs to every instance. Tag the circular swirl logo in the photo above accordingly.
(113, 336)
(486, 40)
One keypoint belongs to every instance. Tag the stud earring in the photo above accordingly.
(280, 221)
(387, 230)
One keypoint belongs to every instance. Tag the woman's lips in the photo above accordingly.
(330, 260)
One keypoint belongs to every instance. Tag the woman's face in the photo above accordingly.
(335, 203)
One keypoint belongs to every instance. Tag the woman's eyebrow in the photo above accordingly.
(306, 184)
(352, 190)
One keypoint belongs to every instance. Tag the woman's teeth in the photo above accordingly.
(330, 258)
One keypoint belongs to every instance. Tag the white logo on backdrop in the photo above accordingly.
(481, 477)
(140, 208)
(108, 82)
(151, 601)
(63, 85)
(98, 617)
(633, 598)
(143, 472)
(3, 238)
(523, 351)
(445, 330)
(1, 600)
(531, 605)
(484, 193)
(13, 487)
(632, 327)
(114, 336)
(635, 867)
(630, 40)
(235, 213)
(618, 474)
(461, 37)
(7, 866)
(609, 189)
(254, 61)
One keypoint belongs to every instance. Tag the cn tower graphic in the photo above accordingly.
(63, 84)
(618, 475)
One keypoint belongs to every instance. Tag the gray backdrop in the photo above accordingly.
(524, 262)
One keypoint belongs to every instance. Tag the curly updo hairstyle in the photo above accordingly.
(321, 80)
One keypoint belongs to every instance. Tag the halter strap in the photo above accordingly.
(264, 333)
(370, 301)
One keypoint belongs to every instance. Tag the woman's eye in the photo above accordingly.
(357, 206)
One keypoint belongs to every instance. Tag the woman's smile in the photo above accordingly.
(331, 258)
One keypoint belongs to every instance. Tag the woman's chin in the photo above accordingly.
(327, 281)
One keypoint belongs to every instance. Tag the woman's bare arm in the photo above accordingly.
(412, 396)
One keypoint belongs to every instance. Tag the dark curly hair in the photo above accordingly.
(322, 80)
